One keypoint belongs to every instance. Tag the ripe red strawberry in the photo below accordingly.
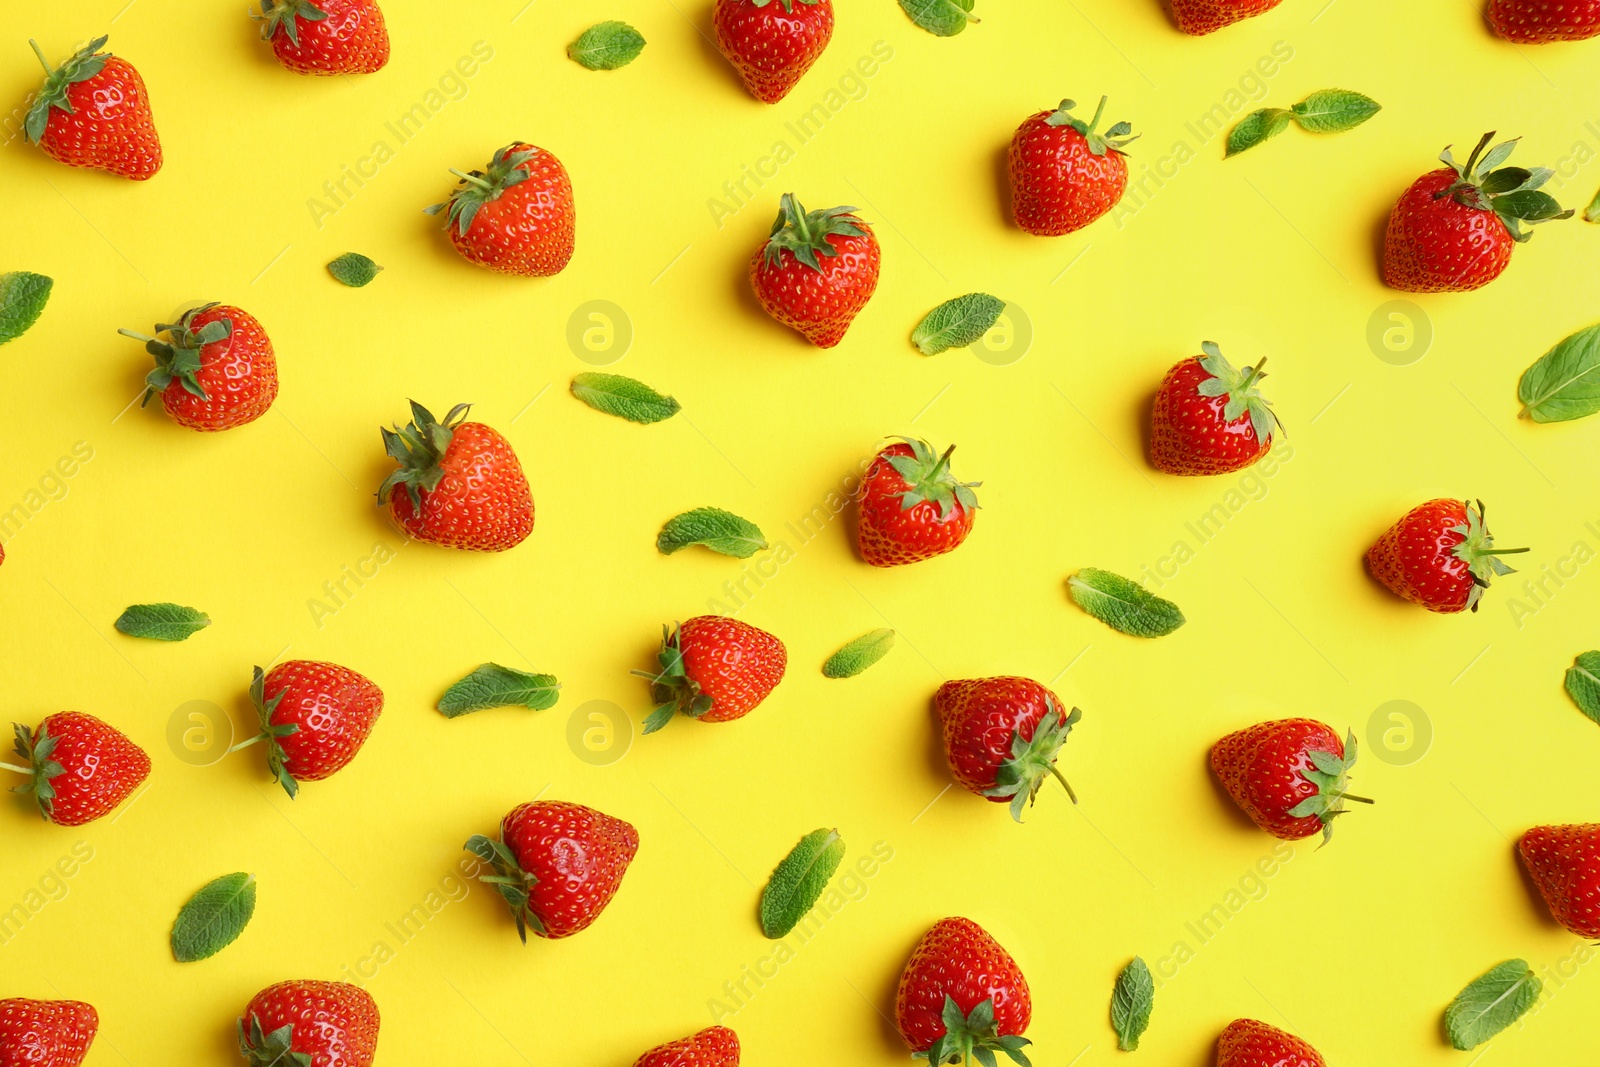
(1291, 776)
(713, 668)
(816, 270)
(46, 1033)
(911, 506)
(1210, 418)
(1002, 737)
(215, 370)
(463, 485)
(310, 1024)
(93, 111)
(325, 36)
(314, 718)
(1454, 229)
(1200, 17)
(556, 864)
(715, 1046)
(772, 43)
(1564, 862)
(960, 995)
(1440, 555)
(1248, 1043)
(516, 216)
(78, 767)
(1064, 174)
(1540, 22)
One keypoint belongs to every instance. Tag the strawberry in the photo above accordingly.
(463, 485)
(962, 996)
(1564, 862)
(45, 1033)
(314, 718)
(516, 216)
(816, 270)
(1290, 776)
(772, 48)
(216, 369)
(556, 864)
(93, 111)
(1209, 418)
(325, 36)
(911, 506)
(79, 768)
(1248, 1043)
(1002, 736)
(310, 1024)
(715, 1046)
(1454, 229)
(1064, 175)
(1200, 17)
(713, 668)
(1440, 555)
(1540, 22)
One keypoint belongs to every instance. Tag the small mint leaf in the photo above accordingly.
(720, 531)
(162, 622)
(799, 880)
(1256, 127)
(942, 18)
(1583, 684)
(1123, 605)
(623, 397)
(494, 686)
(354, 269)
(606, 46)
(1564, 383)
(957, 323)
(1334, 110)
(1592, 212)
(1490, 1003)
(214, 917)
(1131, 1001)
(856, 656)
(22, 299)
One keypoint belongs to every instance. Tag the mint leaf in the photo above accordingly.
(1123, 605)
(942, 18)
(354, 269)
(1334, 110)
(22, 299)
(607, 46)
(1492, 1002)
(1256, 127)
(1131, 1000)
(799, 880)
(858, 655)
(623, 397)
(162, 622)
(957, 323)
(1564, 383)
(718, 530)
(1592, 212)
(214, 917)
(1583, 684)
(494, 686)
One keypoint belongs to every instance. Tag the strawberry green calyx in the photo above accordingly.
(1020, 776)
(510, 880)
(928, 477)
(84, 64)
(1331, 775)
(1512, 193)
(1240, 389)
(972, 1036)
(38, 766)
(178, 357)
(1477, 551)
(270, 732)
(1112, 140)
(804, 234)
(671, 688)
(283, 14)
(479, 187)
(417, 447)
(273, 1049)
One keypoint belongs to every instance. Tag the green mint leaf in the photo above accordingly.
(1564, 383)
(162, 622)
(1592, 212)
(1492, 1002)
(1256, 127)
(942, 18)
(214, 917)
(1131, 1000)
(1583, 684)
(858, 655)
(354, 269)
(1334, 111)
(718, 530)
(623, 397)
(606, 46)
(494, 686)
(22, 299)
(799, 880)
(1123, 605)
(957, 323)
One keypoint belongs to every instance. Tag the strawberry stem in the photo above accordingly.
(1500, 551)
(1064, 783)
(14, 767)
(473, 179)
(1251, 374)
(1358, 800)
(246, 744)
(1094, 123)
(45, 63)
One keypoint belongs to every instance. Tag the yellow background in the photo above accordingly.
(1358, 947)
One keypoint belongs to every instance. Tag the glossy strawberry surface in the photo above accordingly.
(350, 39)
(819, 302)
(99, 768)
(1543, 21)
(1248, 1043)
(482, 503)
(1435, 244)
(1199, 17)
(1266, 769)
(772, 43)
(889, 534)
(528, 228)
(239, 375)
(715, 1046)
(982, 717)
(46, 1033)
(578, 856)
(1564, 862)
(958, 959)
(334, 1024)
(1190, 431)
(333, 710)
(110, 126)
(737, 665)
(1057, 184)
